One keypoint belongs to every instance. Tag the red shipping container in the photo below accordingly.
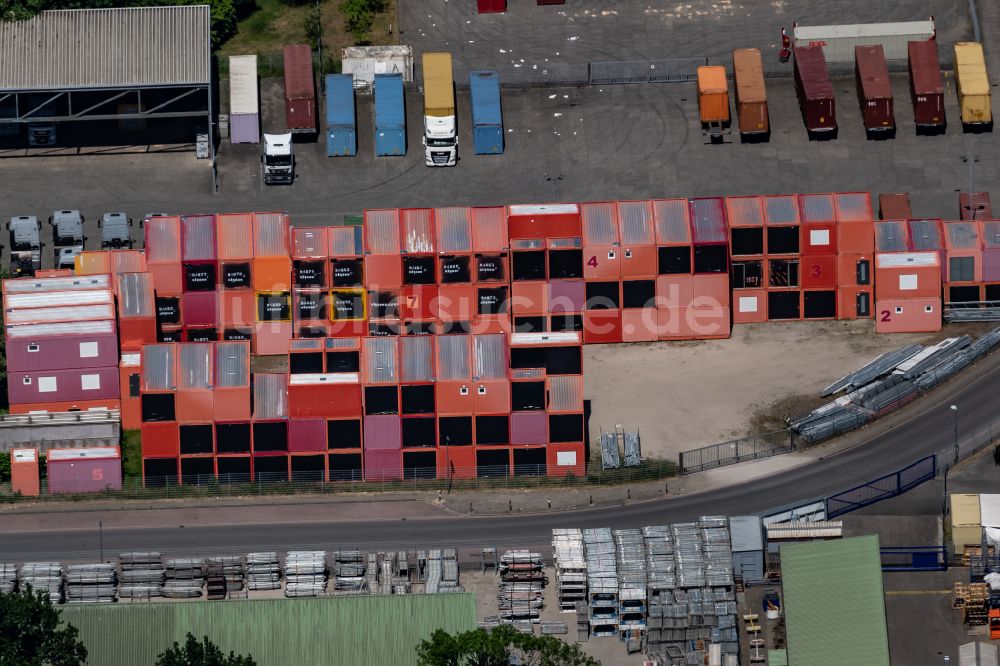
(874, 90)
(383, 433)
(237, 307)
(602, 326)
(419, 302)
(61, 346)
(163, 240)
(199, 308)
(491, 7)
(975, 206)
(332, 395)
(63, 385)
(306, 434)
(926, 89)
(454, 398)
(674, 291)
(272, 337)
(910, 315)
(817, 272)
(818, 208)
(601, 256)
(749, 306)
(856, 270)
(492, 397)
(815, 92)
(565, 459)
(198, 238)
(383, 465)
(24, 472)
(544, 221)
(819, 238)
(854, 302)
(384, 271)
(456, 462)
(894, 206)
(310, 242)
(529, 298)
(160, 440)
(640, 325)
(490, 229)
(84, 470)
(638, 239)
(964, 246)
(168, 278)
(492, 324)
(855, 237)
(234, 236)
(129, 378)
(710, 321)
(906, 275)
(300, 89)
(710, 291)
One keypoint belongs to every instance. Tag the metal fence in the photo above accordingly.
(884, 487)
(412, 479)
(273, 64)
(914, 558)
(737, 450)
(645, 71)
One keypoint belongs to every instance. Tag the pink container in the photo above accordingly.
(529, 427)
(567, 295)
(383, 433)
(991, 265)
(383, 465)
(306, 435)
(62, 346)
(200, 308)
(86, 470)
(63, 385)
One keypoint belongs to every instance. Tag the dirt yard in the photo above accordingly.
(682, 395)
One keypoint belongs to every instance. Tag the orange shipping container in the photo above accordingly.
(904, 275)
(24, 472)
(854, 302)
(234, 236)
(908, 315)
(713, 95)
(749, 306)
(751, 94)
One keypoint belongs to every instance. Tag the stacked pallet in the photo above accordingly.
(263, 571)
(571, 568)
(442, 571)
(45, 577)
(141, 575)
(522, 583)
(90, 583)
(305, 573)
(602, 581)
(8, 577)
(348, 571)
(184, 577)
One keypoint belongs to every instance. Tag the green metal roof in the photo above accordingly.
(777, 658)
(833, 603)
(276, 632)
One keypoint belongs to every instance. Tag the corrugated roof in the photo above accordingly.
(158, 367)
(781, 209)
(310, 242)
(636, 220)
(163, 239)
(51, 299)
(270, 235)
(416, 358)
(232, 364)
(380, 360)
(37, 285)
(106, 48)
(890, 236)
(382, 231)
(708, 220)
(135, 295)
(243, 95)
(198, 237)
(991, 234)
(453, 358)
(346, 242)
(84, 453)
(418, 230)
(195, 368)
(962, 235)
(234, 234)
(489, 229)
(67, 328)
(566, 393)
(490, 356)
(926, 235)
(52, 315)
(600, 226)
(818, 208)
(834, 607)
(335, 630)
(673, 221)
(454, 229)
(744, 211)
(270, 396)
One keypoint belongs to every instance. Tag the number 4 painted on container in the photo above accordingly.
(592, 262)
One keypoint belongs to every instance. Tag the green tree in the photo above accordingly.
(30, 634)
(495, 648)
(4, 467)
(201, 653)
(313, 24)
(359, 14)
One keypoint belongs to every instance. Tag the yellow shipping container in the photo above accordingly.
(965, 509)
(965, 535)
(973, 84)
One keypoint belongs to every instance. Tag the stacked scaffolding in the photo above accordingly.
(141, 575)
(602, 581)
(348, 571)
(8, 577)
(305, 573)
(371, 573)
(45, 577)
(90, 583)
(442, 571)
(582, 621)
(263, 572)
(571, 568)
(630, 561)
(183, 578)
(521, 588)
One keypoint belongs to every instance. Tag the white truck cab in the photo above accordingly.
(278, 159)
(440, 141)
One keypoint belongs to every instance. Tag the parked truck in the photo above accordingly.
(487, 120)
(278, 159)
(115, 231)
(300, 90)
(815, 93)
(390, 115)
(440, 131)
(67, 228)
(25, 245)
(974, 97)
(341, 120)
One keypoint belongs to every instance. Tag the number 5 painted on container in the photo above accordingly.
(97, 474)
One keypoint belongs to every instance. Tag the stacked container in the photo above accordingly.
(272, 280)
(163, 260)
(490, 268)
(244, 105)
(907, 283)
(348, 299)
(856, 255)
(456, 268)
(383, 270)
(130, 381)
(926, 89)
(199, 307)
(991, 260)
(237, 306)
(136, 310)
(311, 285)
(343, 434)
(713, 96)
(269, 428)
(383, 436)
(419, 292)
(232, 406)
(963, 269)
(975, 206)
(894, 206)
(300, 90)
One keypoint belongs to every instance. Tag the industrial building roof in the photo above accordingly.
(333, 630)
(106, 48)
(833, 603)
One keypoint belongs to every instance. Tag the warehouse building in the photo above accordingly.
(107, 77)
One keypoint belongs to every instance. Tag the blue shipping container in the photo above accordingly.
(341, 130)
(390, 115)
(487, 122)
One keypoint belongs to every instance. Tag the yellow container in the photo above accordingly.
(973, 84)
(965, 535)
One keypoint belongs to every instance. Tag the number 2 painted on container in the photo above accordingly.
(592, 262)
(886, 317)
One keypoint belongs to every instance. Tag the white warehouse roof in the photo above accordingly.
(106, 48)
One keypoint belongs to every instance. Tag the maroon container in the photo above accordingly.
(529, 428)
(300, 90)
(383, 433)
(926, 89)
(383, 465)
(874, 90)
(975, 206)
(63, 385)
(84, 470)
(815, 92)
(62, 346)
(200, 308)
(306, 435)
(491, 6)
(567, 295)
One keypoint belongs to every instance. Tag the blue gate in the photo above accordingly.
(914, 558)
(882, 488)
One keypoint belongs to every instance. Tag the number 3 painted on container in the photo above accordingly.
(885, 316)
(97, 474)
(592, 261)
(816, 271)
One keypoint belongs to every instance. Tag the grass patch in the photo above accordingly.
(132, 454)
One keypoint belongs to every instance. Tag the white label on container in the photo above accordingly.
(88, 350)
(907, 282)
(90, 382)
(819, 236)
(47, 385)
(565, 458)
(748, 304)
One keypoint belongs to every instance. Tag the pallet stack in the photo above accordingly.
(571, 569)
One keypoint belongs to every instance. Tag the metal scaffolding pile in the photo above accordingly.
(442, 571)
(602, 581)
(630, 560)
(141, 575)
(90, 583)
(348, 571)
(263, 572)
(184, 577)
(8, 577)
(393, 573)
(305, 573)
(522, 583)
(43, 577)
(226, 574)
(571, 568)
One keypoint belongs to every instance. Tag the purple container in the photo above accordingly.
(529, 428)
(383, 433)
(83, 470)
(991, 265)
(383, 465)
(200, 308)
(63, 385)
(306, 435)
(26, 352)
(244, 128)
(567, 295)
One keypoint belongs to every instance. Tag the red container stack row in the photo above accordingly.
(908, 275)
(62, 344)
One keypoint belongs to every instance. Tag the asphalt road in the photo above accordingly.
(927, 428)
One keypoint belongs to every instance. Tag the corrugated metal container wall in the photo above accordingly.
(453, 358)
(965, 509)
(310, 242)
(135, 295)
(838, 41)
(744, 212)
(346, 242)
(673, 221)
(489, 229)
(270, 235)
(244, 105)
(38, 386)
(383, 433)
(58, 314)
(234, 234)
(390, 115)
(128, 261)
(50, 284)
(874, 89)
(818, 208)
(14, 302)
(158, 367)
(195, 366)
(382, 231)
(708, 220)
(232, 364)
(491, 357)
(713, 94)
(454, 229)
(890, 236)
(926, 89)
(600, 224)
(781, 209)
(926, 235)
(83, 470)
(418, 230)
(163, 239)
(973, 83)
(416, 358)
(487, 121)
(854, 206)
(270, 396)
(59, 346)
(380, 360)
(962, 235)
(300, 89)
(636, 219)
(198, 238)
(565, 393)
(341, 124)
(751, 92)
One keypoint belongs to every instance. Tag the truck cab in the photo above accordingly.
(67, 227)
(41, 134)
(440, 141)
(440, 130)
(278, 159)
(115, 232)
(66, 257)
(25, 245)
